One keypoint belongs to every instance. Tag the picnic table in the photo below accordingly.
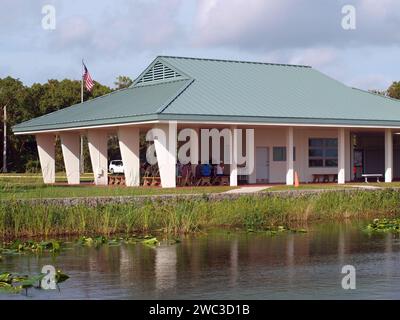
(116, 180)
(151, 181)
(324, 177)
(222, 180)
(204, 181)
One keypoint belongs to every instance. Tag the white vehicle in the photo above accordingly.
(116, 166)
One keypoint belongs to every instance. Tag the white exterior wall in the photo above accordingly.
(277, 136)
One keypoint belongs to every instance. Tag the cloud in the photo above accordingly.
(278, 24)
(316, 57)
(119, 30)
(371, 81)
(122, 37)
(75, 31)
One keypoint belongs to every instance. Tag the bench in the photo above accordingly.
(204, 181)
(324, 177)
(372, 175)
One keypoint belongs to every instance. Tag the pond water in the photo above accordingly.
(223, 265)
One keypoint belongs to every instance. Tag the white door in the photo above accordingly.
(262, 164)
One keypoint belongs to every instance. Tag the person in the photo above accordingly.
(147, 170)
(178, 169)
(186, 174)
(205, 170)
(220, 169)
(198, 171)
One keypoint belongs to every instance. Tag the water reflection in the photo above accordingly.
(290, 258)
(165, 267)
(228, 265)
(234, 262)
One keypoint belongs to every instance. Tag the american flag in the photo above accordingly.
(89, 84)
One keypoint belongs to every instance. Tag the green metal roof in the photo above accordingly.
(178, 88)
(133, 104)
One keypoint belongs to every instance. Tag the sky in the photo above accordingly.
(121, 37)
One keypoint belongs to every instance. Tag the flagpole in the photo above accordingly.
(82, 71)
(82, 164)
(5, 140)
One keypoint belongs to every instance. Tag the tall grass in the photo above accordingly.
(183, 216)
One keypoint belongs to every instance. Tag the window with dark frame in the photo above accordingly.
(279, 154)
(322, 152)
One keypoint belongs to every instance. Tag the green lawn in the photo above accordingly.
(25, 186)
(318, 186)
(395, 184)
(32, 178)
(333, 186)
(311, 186)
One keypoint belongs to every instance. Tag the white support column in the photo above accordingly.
(341, 156)
(129, 146)
(166, 153)
(289, 157)
(348, 155)
(70, 145)
(388, 155)
(98, 144)
(194, 147)
(233, 180)
(46, 149)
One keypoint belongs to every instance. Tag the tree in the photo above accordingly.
(16, 96)
(97, 91)
(25, 103)
(394, 90)
(123, 82)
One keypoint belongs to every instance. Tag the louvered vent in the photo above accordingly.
(159, 72)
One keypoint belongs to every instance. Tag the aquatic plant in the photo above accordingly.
(15, 283)
(272, 230)
(384, 225)
(102, 240)
(151, 242)
(30, 246)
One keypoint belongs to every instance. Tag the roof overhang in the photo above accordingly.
(223, 120)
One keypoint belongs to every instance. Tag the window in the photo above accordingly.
(279, 154)
(322, 152)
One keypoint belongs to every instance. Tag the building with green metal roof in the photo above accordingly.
(304, 122)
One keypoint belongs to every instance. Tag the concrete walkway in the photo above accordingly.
(247, 189)
(365, 187)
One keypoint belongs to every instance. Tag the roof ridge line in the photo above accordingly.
(181, 90)
(237, 61)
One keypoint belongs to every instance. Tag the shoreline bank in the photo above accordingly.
(175, 214)
(93, 201)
